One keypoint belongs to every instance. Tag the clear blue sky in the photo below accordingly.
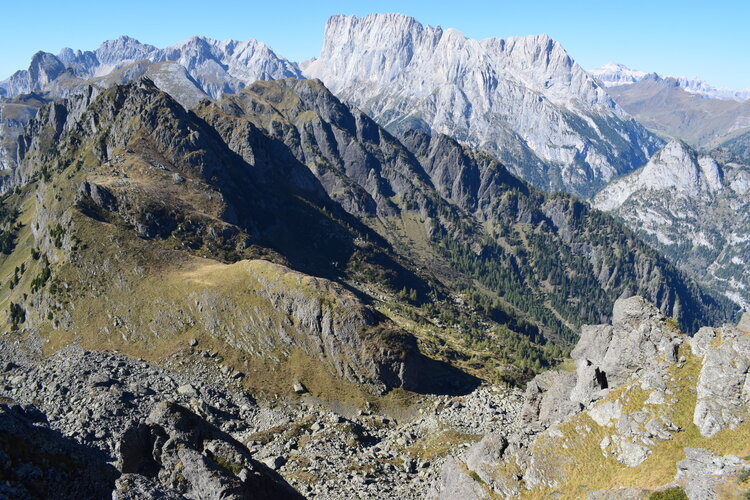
(682, 38)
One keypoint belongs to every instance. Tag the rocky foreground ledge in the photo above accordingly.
(647, 408)
(84, 424)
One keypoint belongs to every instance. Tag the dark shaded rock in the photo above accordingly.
(39, 463)
(178, 450)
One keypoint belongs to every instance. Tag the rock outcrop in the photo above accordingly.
(177, 449)
(626, 401)
(724, 384)
(702, 471)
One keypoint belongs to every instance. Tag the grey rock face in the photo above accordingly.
(484, 456)
(522, 99)
(701, 470)
(547, 398)
(455, 483)
(43, 70)
(637, 342)
(625, 451)
(724, 382)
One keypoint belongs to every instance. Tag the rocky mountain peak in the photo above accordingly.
(616, 74)
(213, 68)
(676, 168)
(44, 68)
(506, 96)
(123, 48)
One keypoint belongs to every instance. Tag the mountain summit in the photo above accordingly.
(523, 99)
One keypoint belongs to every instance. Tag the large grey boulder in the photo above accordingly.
(724, 384)
(484, 457)
(455, 482)
(638, 341)
(178, 450)
(702, 470)
(547, 398)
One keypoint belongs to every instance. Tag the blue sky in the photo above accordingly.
(682, 38)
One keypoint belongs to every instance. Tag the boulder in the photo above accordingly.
(702, 470)
(724, 384)
(607, 356)
(456, 483)
(177, 449)
(484, 456)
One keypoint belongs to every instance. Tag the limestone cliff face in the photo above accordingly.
(522, 99)
(639, 387)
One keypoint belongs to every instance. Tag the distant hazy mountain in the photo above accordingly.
(211, 67)
(614, 74)
(189, 71)
(666, 107)
(523, 99)
(695, 210)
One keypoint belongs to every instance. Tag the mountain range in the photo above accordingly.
(524, 100)
(670, 110)
(615, 74)
(578, 140)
